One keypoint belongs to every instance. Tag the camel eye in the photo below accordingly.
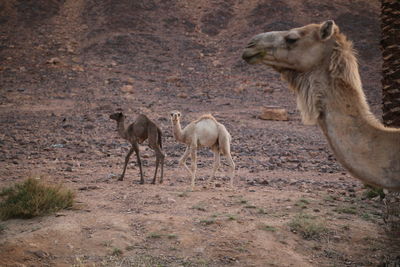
(291, 40)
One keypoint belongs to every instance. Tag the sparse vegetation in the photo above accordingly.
(346, 210)
(32, 198)
(107, 243)
(330, 198)
(366, 216)
(171, 236)
(116, 252)
(302, 203)
(261, 211)
(243, 201)
(231, 217)
(207, 221)
(267, 228)
(373, 192)
(199, 207)
(2, 228)
(155, 235)
(308, 226)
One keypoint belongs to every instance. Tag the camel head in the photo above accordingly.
(299, 49)
(117, 116)
(175, 116)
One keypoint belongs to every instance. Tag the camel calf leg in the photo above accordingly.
(182, 161)
(193, 165)
(126, 163)
(159, 159)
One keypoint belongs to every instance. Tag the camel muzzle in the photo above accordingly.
(251, 57)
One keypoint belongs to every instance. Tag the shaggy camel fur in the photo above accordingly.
(206, 131)
(319, 63)
(143, 128)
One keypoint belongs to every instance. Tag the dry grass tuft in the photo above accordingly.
(308, 226)
(31, 198)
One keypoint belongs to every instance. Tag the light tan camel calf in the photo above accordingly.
(206, 131)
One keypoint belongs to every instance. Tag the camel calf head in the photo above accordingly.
(175, 116)
(299, 49)
(117, 116)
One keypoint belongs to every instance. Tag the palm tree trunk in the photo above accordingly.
(390, 45)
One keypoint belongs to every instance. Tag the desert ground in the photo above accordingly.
(66, 65)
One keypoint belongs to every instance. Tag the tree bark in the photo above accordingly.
(390, 45)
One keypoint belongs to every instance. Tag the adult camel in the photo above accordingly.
(319, 64)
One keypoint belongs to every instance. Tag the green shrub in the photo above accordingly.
(308, 226)
(116, 252)
(32, 198)
(373, 192)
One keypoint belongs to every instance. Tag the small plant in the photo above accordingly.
(374, 192)
(366, 216)
(199, 207)
(231, 217)
(250, 207)
(303, 200)
(107, 243)
(302, 203)
(32, 198)
(155, 235)
(308, 226)
(261, 211)
(207, 221)
(171, 236)
(347, 210)
(242, 201)
(116, 252)
(267, 228)
(330, 198)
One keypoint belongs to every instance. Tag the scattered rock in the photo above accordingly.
(272, 113)
(57, 145)
(127, 89)
(54, 61)
(182, 95)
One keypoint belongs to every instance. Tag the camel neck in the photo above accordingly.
(177, 130)
(121, 128)
(359, 141)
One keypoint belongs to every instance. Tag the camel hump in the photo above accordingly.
(206, 117)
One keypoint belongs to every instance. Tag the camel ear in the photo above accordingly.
(326, 30)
